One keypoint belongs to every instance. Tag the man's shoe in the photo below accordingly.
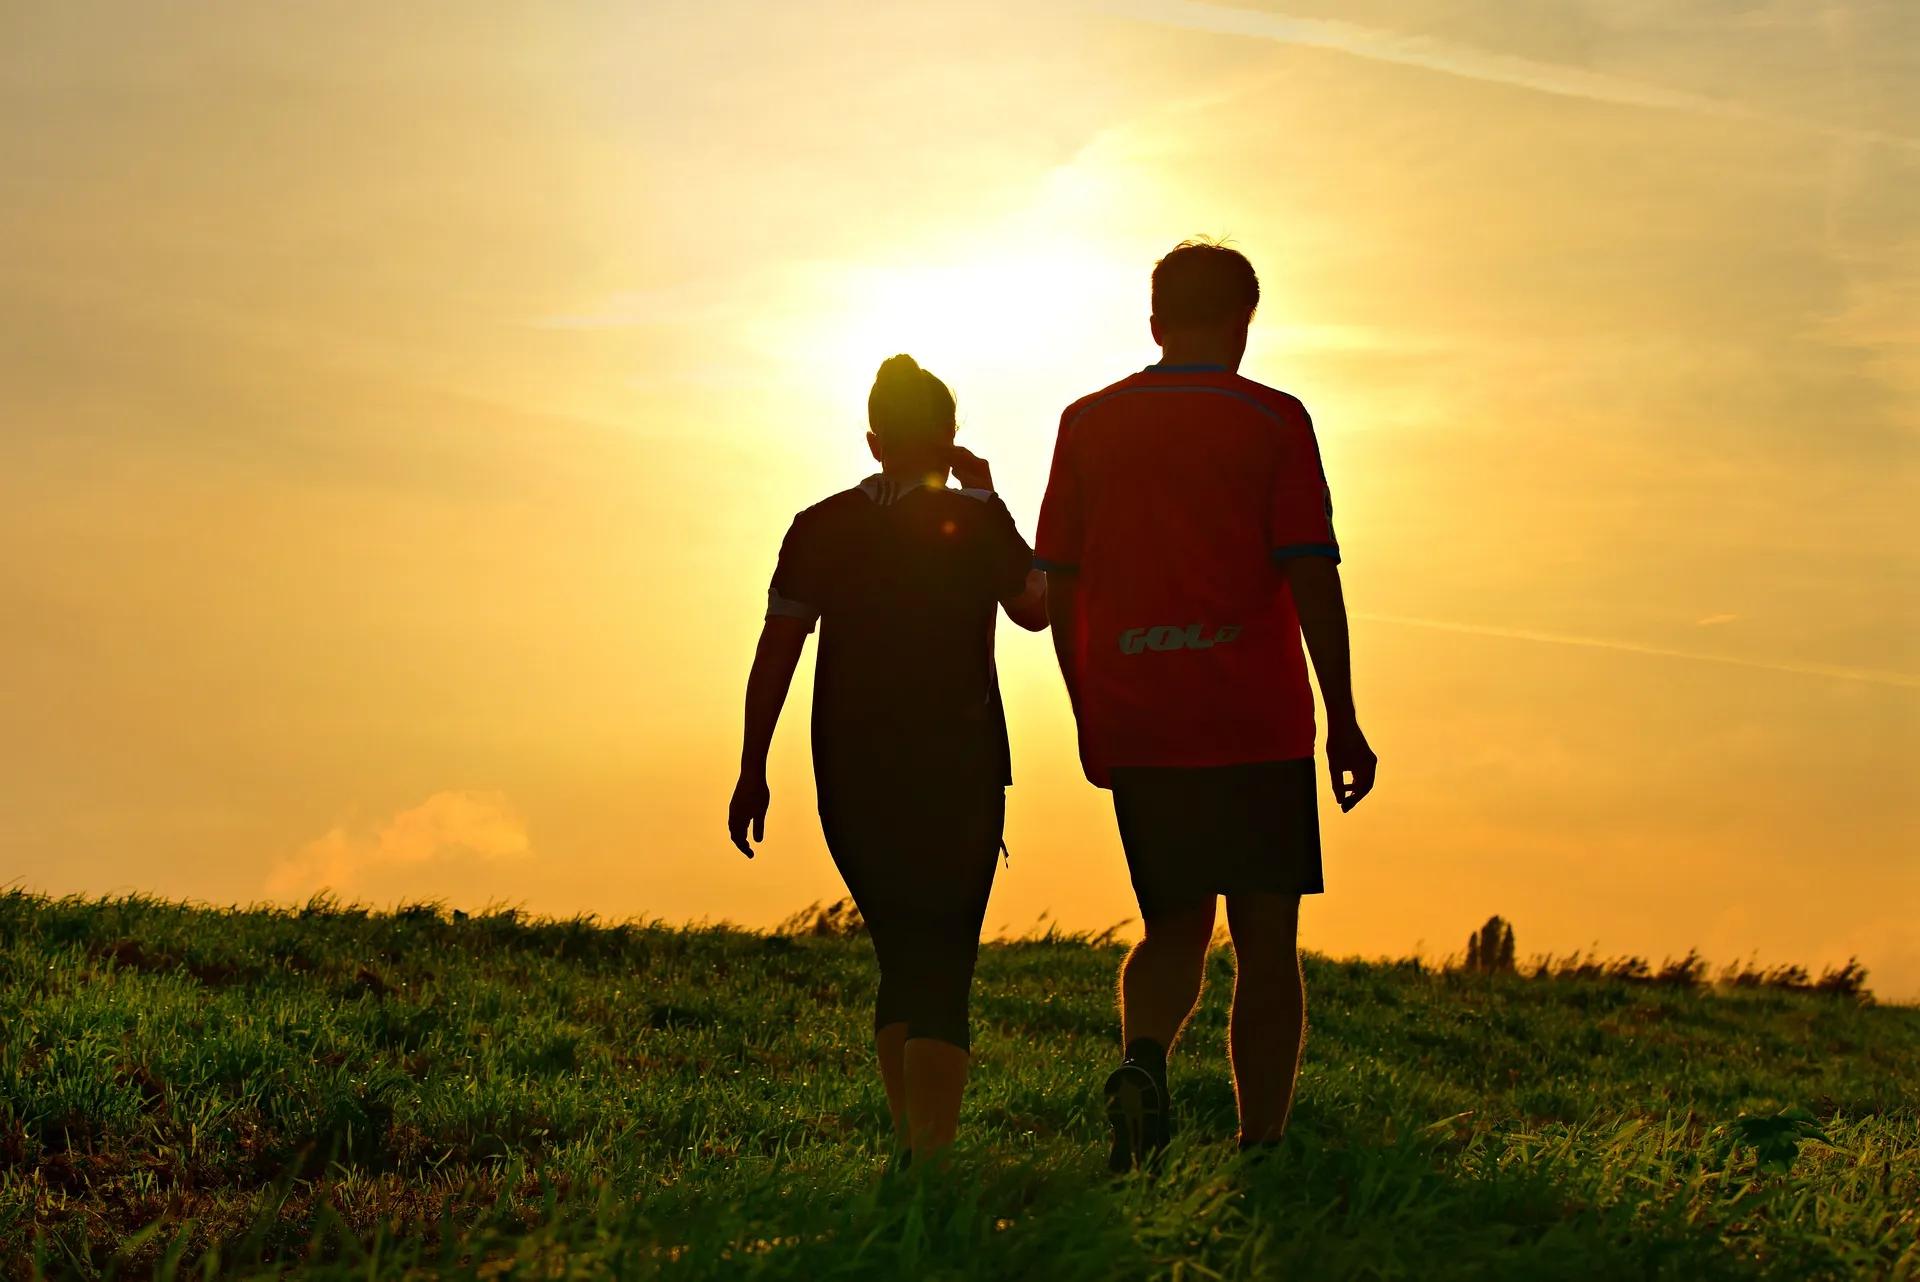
(1136, 1110)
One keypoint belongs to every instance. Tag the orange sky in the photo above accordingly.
(400, 407)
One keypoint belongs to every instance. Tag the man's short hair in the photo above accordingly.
(1200, 283)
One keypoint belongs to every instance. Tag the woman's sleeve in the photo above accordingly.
(799, 588)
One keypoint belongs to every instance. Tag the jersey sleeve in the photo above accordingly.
(1008, 558)
(1300, 520)
(1059, 537)
(799, 585)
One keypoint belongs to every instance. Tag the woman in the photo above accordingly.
(904, 576)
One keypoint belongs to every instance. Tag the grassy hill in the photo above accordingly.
(184, 1089)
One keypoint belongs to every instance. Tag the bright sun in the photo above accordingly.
(993, 320)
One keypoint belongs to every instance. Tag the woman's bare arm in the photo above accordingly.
(1029, 609)
(778, 654)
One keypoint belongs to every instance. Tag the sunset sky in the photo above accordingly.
(401, 406)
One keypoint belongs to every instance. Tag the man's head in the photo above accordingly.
(911, 414)
(1204, 296)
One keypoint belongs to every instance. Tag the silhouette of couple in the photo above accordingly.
(1184, 547)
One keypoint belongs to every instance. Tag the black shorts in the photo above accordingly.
(919, 862)
(1195, 832)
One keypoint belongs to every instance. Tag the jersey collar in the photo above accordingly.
(885, 490)
(1185, 369)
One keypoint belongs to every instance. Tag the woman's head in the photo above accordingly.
(911, 417)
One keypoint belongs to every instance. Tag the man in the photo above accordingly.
(1188, 542)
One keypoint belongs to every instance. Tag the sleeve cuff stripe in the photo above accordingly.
(1329, 550)
(1054, 567)
(779, 607)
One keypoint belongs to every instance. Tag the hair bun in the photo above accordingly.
(898, 369)
(909, 402)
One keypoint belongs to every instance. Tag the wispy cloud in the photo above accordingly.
(1416, 51)
(476, 824)
(1906, 680)
(1474, 63)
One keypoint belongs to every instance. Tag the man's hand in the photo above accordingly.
(1348, 754)
(970, 469)
(748, 809)
(1315, 583)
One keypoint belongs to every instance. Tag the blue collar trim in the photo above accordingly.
(1185, 369)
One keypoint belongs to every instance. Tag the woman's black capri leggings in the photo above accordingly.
(920, 868)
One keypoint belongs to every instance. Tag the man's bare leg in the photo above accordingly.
(1159, 986)
(1161, 977)
(891, 1043)
(1268, 1025)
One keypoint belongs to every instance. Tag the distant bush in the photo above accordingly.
(1490, 951)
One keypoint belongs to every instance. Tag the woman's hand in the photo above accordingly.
(970, 469)
(748, 810)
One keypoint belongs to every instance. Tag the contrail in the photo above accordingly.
(1903, 679)
(1417, 51)
(1465, 60)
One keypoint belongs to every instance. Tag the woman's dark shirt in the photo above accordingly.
(905, 581)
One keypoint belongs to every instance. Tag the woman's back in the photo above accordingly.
(906, 582)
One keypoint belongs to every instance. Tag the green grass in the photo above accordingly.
(193, 1091)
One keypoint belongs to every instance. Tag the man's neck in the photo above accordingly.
(1181, 355)
(1223, 346)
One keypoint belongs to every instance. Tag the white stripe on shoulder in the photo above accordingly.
(779, 607)
(885, 491)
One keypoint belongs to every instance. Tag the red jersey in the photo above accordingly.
(1175, 494)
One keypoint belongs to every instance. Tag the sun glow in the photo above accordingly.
(983, 313)
(1010, 333)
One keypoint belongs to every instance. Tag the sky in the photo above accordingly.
(401, 407)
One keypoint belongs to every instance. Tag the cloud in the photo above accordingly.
(1417, 51)
(1468, 61)
(448, 824)
(1714, 620)
(1906, 680)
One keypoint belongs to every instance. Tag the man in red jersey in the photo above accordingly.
(1187, 537)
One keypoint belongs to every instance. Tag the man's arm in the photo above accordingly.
(1315, 581)
(778, 654)
(1063, 611)
(1029, 609)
